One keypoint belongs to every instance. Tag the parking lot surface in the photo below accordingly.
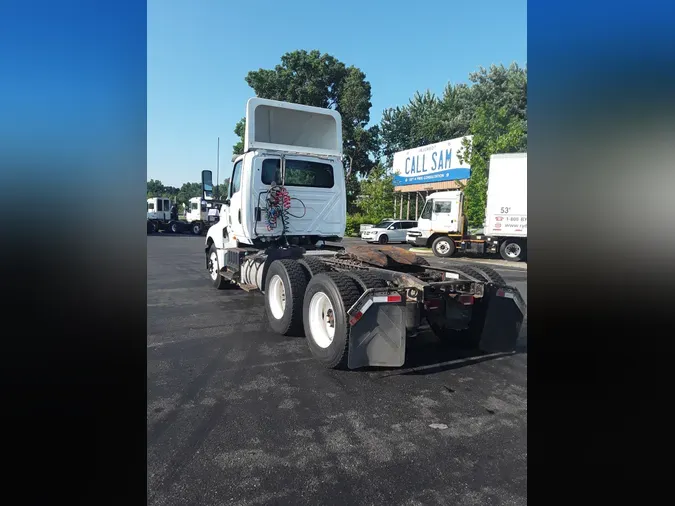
(239, 415)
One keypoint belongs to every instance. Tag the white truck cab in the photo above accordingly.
(197, 210)
(290, 184)
(159, 208)
(442, 213)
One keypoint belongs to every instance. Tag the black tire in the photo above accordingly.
(383, 239)
(196, 228)
(342, 292)
(512, 250)
(313, 265)
(491, 275)
(219, 282)
(174, 227)
(152, 228)
(443, 246)
(470, 272)
(366, 280)
(294, 281)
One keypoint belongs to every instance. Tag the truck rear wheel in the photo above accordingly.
(443, 247)
(196, 228)
(512, 250)
(284, 291)
(328, 297)
(314, 266)
(491, 275)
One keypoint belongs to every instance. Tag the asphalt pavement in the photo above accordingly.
(238, 415)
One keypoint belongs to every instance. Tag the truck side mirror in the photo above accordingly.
(207, 184)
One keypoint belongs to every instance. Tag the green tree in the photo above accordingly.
(377, 194)
(321, 80)
(239, 130)
(494, 131)
(155, 188)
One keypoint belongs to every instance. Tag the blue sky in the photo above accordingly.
(199, 53)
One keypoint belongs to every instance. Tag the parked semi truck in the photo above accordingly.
(159, 216)
(279, 233)
(201, 214)
(442, 225)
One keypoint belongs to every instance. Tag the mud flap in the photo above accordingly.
(502, 319)
(378, 337)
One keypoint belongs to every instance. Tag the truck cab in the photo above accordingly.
(159, 208)
(441, 214)
(289, 187)
(197, 210)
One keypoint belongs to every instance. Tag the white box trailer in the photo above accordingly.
(506, 210)
(443, 227)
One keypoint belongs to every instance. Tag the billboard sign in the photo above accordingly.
(432, 163)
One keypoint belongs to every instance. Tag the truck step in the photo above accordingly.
(248, 288)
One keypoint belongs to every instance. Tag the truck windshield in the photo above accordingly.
(298, 173)
(426, 212)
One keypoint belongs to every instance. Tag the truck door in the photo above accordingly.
(445, 216)
(151, 208)
(235, 214)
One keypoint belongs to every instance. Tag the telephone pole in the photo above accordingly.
(218, 170)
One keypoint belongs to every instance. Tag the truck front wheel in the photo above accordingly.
(214, 269)
(196, 228)
(512, 250)
(328, 297)
(284, 291)
(443, 247)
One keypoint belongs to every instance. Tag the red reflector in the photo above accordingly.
(467, 300)
(355, 318)
(500, 293)
(432, 303)
(394, 298)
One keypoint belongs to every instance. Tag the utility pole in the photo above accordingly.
(218, 170)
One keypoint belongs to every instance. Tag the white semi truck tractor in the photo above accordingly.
(442, 225)
(159, 216)
(357, 305)
(201, 214)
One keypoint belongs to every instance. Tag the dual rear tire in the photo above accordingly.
(303, 297)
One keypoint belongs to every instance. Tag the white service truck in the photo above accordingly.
(442, 225)
(355, 305)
